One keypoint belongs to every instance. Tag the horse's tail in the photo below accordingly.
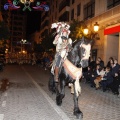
(51, 84)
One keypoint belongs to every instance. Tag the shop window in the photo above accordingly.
(112, 3)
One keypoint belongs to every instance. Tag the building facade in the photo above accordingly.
(17, 30)
(105, 12)
(16, 22)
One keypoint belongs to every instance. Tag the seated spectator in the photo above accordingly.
(94, 75)
(115, 67)
(115, 84)
(87, 74)
(101, 62)
(107, 79)
(111, 61)
(99, 78)
(97, 63)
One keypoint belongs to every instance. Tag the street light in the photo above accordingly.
(96, 27)
(22, 42)
(94, 34)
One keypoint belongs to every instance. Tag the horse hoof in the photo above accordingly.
(79, 115)
(58, 100)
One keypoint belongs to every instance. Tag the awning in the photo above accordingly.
(112, 30)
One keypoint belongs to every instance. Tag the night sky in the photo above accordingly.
(33, 21)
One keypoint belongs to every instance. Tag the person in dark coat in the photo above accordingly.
(115, 67)
(101, 62)
(87, 75)
(115, 84)
(107, 79)
(92, 63)
(111, 61)
(94, 75)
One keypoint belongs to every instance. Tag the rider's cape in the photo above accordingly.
(72, 70)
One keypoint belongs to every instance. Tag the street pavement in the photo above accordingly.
(28, 98)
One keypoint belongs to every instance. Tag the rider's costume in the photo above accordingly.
(63, 46)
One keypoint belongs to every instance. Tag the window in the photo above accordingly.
(72, 14)
(89, 9)
(73, 1)
(78, 9)
(56, 3)
(64, 17)
(63, 4)
(112, 3)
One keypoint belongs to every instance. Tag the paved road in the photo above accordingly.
(28, 98)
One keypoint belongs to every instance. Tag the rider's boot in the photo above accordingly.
(56, 74)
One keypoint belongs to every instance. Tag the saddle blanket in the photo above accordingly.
(72, 70)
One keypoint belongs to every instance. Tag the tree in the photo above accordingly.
(47, 42)
(76, 28)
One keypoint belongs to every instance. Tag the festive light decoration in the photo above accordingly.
(13, 5)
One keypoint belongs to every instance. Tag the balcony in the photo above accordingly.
(63, 4)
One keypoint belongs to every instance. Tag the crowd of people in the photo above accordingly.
(29, 58)
(103, 77)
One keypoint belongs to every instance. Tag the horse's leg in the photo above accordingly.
(77, 111)
(62, 88)
(61, 95)
(51, 84)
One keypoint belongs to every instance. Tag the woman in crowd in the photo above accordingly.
(101, 62)
(110, 62)
(95, 74)
(107, 79)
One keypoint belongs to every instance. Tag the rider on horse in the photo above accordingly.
(63, 46)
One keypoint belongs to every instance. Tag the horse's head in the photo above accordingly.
(84, 52)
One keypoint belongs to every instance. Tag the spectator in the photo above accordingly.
(94, 75)
(101, 62)
(107, 79)
(97, 63)
(87, 75)
(115, 84)
(92, 63)
(115, 67)
(111, 61)
(99, 78)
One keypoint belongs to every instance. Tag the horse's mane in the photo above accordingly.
(77, 42)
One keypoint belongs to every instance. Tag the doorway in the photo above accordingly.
(112, 46)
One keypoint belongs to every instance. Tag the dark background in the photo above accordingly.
(34, 18)
(33, 21)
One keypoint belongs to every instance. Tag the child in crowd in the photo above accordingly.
(99, 78)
